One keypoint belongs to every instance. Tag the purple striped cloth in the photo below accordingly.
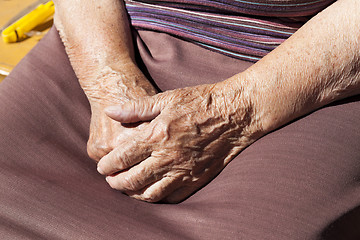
(243, 29)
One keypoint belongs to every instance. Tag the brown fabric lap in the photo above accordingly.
(291, 184)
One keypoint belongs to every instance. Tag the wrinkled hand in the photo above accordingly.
(105, 133)
(113, 87)
(193, 133)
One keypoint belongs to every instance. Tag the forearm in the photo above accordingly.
(319, 64)
(97, 38)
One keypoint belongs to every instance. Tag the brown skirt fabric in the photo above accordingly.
(298, 182)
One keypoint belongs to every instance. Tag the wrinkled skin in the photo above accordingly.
(192, 134)
(114, 87)
(171, 144)
(97, 39)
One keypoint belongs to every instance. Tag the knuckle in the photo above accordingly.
(120, 160)
(124, 160)
(129, 184)
(125, 156)
(159, 132)
(93, 154)
(97, 149)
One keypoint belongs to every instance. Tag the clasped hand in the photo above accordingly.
(190, 135)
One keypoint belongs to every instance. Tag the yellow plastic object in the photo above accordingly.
(17, 31)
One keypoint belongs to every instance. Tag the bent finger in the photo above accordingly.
(158, 190)
(143, 109)
(137, 177)
(123, 157)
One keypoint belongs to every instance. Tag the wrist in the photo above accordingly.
(242, 108)
(273, 100)
(267, 111)
(115, 84)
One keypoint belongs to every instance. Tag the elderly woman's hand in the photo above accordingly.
(193, 133)
(113, 87)
(101, 52)
(105, 134)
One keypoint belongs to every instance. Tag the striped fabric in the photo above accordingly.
(243, 29)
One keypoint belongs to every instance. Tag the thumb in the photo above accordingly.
(138, 110)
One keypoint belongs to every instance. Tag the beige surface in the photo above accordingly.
(12, 53)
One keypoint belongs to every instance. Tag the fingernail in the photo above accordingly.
(100, 170)
(107, 179)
